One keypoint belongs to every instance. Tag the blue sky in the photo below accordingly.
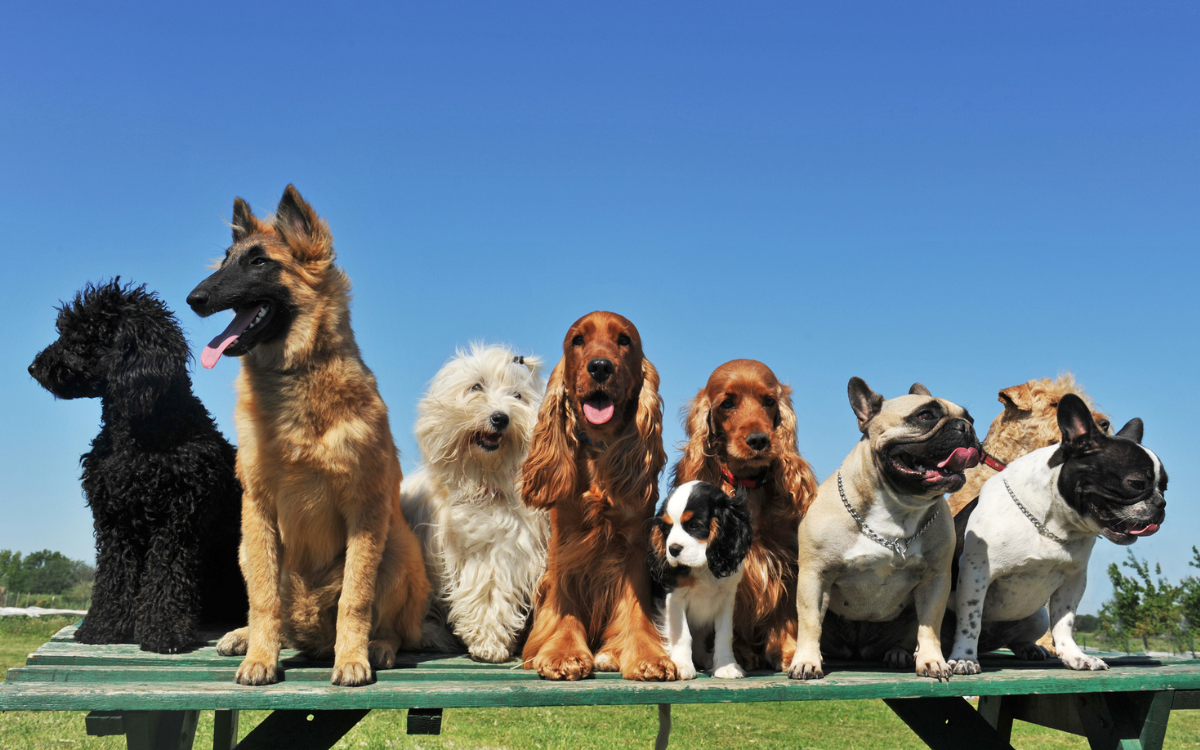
(962, 195)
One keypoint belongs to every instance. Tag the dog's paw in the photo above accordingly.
(652, 669)
(728, 672)
(167, 642)
(805, 669)
(898, 658)
(934, 668)
(1082, 661)
(352, 673)
(685, 669)
(964, 666)
(234, 643)
(607, 662)
(253, 672)
(570, 667)
(1029, 652)
(381, 654)
(492, 653)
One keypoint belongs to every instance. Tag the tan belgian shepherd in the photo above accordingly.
(331, 566)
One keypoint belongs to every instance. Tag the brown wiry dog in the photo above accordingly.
(1029, 421)
(741, 432)
(594, 463)
(330, 564)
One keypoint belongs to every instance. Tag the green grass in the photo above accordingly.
(815, 725)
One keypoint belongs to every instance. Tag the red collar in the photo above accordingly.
(750, 484)
(990, 461)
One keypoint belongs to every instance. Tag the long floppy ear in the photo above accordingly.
(735, 532)
(865, 402)
(699, 459)
(147, 357)
(651, 456)
(548, 474)
(304, 232)
(1079, 431)
(793, 476)
(244, 223)
(1016, 398)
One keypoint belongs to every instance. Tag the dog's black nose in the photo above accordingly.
(498, 420)
(675, 549)
(600, 369)
(198, 298)
(759, 441)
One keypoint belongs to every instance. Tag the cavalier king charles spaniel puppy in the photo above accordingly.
(742, 436)
(594, 464)
(698, 546)
(484, 550)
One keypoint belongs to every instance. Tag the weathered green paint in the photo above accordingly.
(944, 723)
(225, 730)
(424, 721)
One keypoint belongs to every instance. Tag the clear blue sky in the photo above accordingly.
(963, 195)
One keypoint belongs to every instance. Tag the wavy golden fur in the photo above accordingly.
(742, 421)
(1029, 421)
(598, 477)
(330, 564)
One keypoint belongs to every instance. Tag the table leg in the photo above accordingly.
(302, 730)
(225, 729)
(947, 723)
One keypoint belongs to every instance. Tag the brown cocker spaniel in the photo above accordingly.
(594, 464)
(742, 433)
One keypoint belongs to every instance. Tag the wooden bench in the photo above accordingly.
(155, 700)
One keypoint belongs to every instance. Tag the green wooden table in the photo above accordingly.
(155, 700)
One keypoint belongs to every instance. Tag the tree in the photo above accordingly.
(1189, 603)
(1140, 607)
(43, 572)
(1086, 623)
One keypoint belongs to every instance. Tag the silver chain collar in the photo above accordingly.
(1037, 524)
(899, 546)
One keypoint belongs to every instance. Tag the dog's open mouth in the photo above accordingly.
(598, 408)
(959, 460)
(489, 441)
(245, 320)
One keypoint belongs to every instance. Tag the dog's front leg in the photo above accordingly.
(631, 636)
(1063, 603)
(930, 595)
(679, 636)
(259, 555)
(168, 603)
(111, 616)
(557, 646)
(366, 536)
(974, 577)
(812, 597)
(724, 663)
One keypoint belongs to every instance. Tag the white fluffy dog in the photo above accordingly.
(484, 550)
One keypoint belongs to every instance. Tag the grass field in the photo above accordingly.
(836, 725)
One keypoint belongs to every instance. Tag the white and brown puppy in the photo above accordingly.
(1029, 536)
(698, 547)
(876, 545)
(484, 549)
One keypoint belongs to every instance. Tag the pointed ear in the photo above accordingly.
(1132, 430)
(548, 474)
(244, 223)
(865, 402)
(298, 224)
(1079, 430)
(1016, 398)
(699, 459)
(919, 390)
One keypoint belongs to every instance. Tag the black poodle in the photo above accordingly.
(159, 478)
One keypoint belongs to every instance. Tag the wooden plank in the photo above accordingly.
(1186, 700)
(945, 723)
(160, 730)
(424, 721)
(301, 730)
(225, 730)
(104, 724)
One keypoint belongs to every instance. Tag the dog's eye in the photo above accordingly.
(1137, 484)
(477, 387)
(728, 403)
(768, 402)
(578, 340)
(517, 396)
(926, 416)
(1103, 424)
(258, 261)
(623, 340)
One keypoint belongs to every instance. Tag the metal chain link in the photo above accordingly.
(1038, 524)
(899, 546)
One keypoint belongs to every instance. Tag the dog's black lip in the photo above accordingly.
(599, 399)
(247, 338)
(483, 435)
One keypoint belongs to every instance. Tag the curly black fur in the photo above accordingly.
(159, 478)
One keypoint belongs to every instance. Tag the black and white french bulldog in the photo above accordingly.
(1028, 537)
(877, 541)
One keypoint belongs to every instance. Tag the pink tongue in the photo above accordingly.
(1146, 531)
(212, 353)
(961, 458)
(598, 416)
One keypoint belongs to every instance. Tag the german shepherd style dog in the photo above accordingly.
(331, 566)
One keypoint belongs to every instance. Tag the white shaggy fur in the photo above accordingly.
(484, 550)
